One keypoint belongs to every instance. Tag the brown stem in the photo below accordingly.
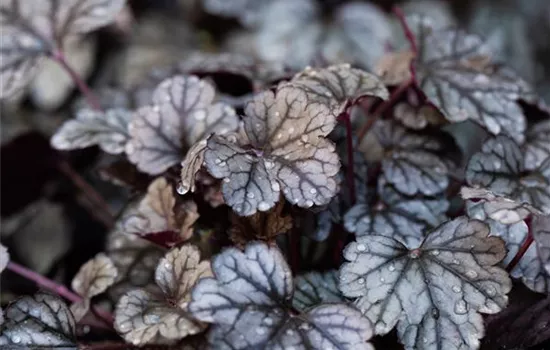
(523, 249)
(58, 289)
(91, 98)
(93, 196)
(384, 106)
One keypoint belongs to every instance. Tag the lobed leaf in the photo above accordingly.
(248, 300)
(455, 71)
(337, 85)
(500, 168)
(108, 130)
(289, 152)
(39, 321)
(183, 112)
(433, 291)
(144, 317)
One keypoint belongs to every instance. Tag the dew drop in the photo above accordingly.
(304, 138)
(382, 279)
(434, 252)
(490, 291)
(275, 186)
(481, 79)
(291, 130)
(269, 164)
(268, 321)
(36, 312)
(361, 281)
(151, 319)
(312, 191)
(182, 187)
(250, 195)
(200, 115)
(263, 206)
(227, 180)
(279, 136)
(461, 307)
(457, 289)
(289, 332)
(497, 164)
(16, 339)
(456, 262)
(424, 340)
(260, 331)
(308, 203)
(361, 247)
(277, 114)
(304, 326)
(391, 267)
(258, 126)
(217, 161)
(471, 274)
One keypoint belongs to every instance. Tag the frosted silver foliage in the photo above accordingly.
(337, 85)
(144, 317)
(248, 302)
(402, 218)
(298, 32)
(455, 71)
(4, 257)
(435, 291)
(537, 144)
(500, 168)
(31, 30)
(410, 161)
(314, 288)
(39, 321)
(288, 151)
(190, 166)
(108, 130)
(183, 111)
(248, 12)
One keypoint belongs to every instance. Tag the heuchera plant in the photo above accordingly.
(324, 208)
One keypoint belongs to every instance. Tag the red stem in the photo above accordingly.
(57, 288)
(91, 98)
(93, 196)
(523, 249)
(384, 106)
(408, 32)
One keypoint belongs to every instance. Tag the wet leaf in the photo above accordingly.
(336, 85)
(287, 152)
(500, 168)
(160, 211)
(410, 161)
(248, 302)
(435, 291)
(402, 218)
(108, 130)
(39, 321)
(314, 288)
(190, 166)
(262, 226)
(143, 317)
(455, 71)
(31, 30)
(541, 234)
(537, 144)
(300, 33)
(4, 257)
(183, 112)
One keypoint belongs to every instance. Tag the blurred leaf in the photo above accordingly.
(314, 288)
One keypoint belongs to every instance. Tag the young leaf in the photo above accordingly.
(39, 321)
(263, 226)
(93, 278)
(287, 151)
(158, 211)
(142, 317)
(4, 257)
(314, 288)
(402, 218)
(190, 166)
(410, 161)
(417, 117)
(107, 129)
(32, 30)
(248, 302)
(354, 32)
(433, 291)
(537, 144)
(455, 71)
(394, 68)
(183, 112)
(500, 168)
(337, 85)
